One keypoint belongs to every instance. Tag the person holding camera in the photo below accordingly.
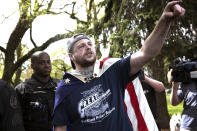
(184, 88)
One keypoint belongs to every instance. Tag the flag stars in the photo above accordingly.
(67, 80)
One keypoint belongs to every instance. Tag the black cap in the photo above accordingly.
(71, 41)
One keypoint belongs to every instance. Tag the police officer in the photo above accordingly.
(37, 94)
(10, 111)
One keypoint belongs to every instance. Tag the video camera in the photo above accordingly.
(184, 71)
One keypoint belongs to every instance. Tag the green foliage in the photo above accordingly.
(59, 64)
(58, 68)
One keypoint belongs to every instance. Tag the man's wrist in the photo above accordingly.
(175, 85)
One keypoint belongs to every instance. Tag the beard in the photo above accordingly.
(85, 63)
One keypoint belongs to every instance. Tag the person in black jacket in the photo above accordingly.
(10, 110)
(37, 94)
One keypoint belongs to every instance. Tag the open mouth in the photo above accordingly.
(89, 54)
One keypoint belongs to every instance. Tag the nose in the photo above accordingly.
(88, 46)
(177, 124)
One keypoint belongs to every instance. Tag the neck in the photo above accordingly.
(81, 68)
(42, 79)
(87, 71)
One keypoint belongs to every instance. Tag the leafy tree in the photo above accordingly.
(59, 64)
(28, 12)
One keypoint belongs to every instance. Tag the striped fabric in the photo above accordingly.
(135, 102)
(138, 109)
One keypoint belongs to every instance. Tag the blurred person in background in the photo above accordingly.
(10, 110)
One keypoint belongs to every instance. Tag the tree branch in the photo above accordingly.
(58, 37)
(2, 49)
(74, 17)
(31, 38)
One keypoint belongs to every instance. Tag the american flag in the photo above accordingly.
(137, 108)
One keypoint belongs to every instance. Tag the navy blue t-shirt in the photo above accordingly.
(97, 105)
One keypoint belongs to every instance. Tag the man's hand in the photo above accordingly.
(176, 85)
(169, 76)
(173, 10)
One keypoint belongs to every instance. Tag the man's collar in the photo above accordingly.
(98, 69)
(34, 77)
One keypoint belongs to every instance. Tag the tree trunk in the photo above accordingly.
(157, 72)
(164, 117)
(18, 75)
(13, 42)
(19, 70)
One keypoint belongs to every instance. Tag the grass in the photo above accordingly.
(173, 109)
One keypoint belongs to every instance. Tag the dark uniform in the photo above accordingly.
(10, 111)
(37, 100)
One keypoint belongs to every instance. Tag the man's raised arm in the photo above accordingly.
(156, 39)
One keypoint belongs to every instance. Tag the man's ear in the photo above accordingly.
(71, 56)
(32, 66)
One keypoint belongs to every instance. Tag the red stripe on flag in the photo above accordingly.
(134, 101)
(125, 106)
(102, 62)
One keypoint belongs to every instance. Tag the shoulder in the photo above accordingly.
(103, 65)
(4, 88)
(67, 85)
(106, 62)
(20, 88)
(2, 84)
(55, 80)
(7, 93)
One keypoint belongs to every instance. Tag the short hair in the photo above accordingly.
(35, 56)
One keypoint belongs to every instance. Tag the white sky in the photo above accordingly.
(7, 25)
(44, 27)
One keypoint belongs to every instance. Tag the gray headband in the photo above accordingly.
(71, 41)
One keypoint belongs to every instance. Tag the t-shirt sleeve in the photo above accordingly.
(125, 69)
(180, 93)
(60, 116)
(124, 66)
